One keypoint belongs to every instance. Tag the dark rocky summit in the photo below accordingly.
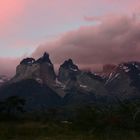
(44, 59)
(41, 70)
(67, 71)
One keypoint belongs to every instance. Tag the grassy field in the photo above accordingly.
(51, 131)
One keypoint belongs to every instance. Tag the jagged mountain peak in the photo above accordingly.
(41, 70)
(68, 70)
(128, 67)
(68, 64)
(125, 79)
(44, 58)
(30, 60)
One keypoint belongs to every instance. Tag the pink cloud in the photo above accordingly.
(117, 39)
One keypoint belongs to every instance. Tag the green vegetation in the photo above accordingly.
(119, 121)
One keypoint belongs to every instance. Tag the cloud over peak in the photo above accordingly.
(116, 39)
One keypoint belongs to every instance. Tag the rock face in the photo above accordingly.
(91, 82)
(67, 71)
(36, 80)
(41, 70)
(124, 81)
(79, 81)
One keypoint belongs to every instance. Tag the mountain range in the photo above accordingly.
(37, 82)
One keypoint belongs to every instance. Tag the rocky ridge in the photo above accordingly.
(36, 79)
(124, 81)
(41, 70)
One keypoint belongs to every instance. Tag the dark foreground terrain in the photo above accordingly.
(112, 122)
(34, 130)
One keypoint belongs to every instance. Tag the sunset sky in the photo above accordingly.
(92, 32)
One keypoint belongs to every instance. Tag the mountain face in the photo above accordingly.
(87, 88)
(125, 80)
(37, 96)
(77, 82)
(67, 71)
(36, 81)
(41, 70)
(72, 77)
